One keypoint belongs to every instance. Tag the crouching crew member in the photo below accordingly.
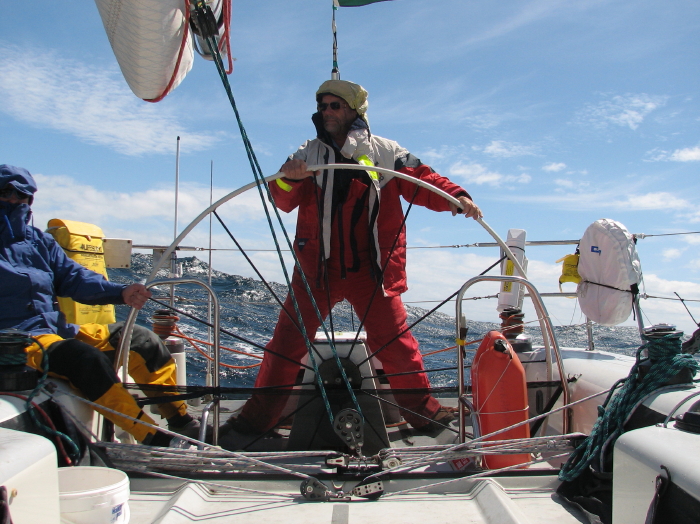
(34, 270)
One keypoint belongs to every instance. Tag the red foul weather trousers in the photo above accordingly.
(385, 320)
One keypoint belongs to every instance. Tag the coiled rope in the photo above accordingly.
(667, 361)
(14, 354)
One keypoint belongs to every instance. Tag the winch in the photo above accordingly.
(15, 375)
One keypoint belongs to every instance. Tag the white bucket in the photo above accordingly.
(91, 495)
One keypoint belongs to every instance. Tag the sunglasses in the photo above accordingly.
(9, 191)
(333, 105)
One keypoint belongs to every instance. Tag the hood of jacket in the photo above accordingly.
(357, 143)
(13, 222)
(19, 178)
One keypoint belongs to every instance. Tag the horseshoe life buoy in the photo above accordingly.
(500, 396)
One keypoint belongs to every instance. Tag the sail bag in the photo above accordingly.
(610, 272)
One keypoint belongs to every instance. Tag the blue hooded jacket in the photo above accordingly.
(34, 270)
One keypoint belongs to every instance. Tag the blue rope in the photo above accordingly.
(667, 362)
(201, 7)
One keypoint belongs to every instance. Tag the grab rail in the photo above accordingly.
(122, 357)
(548, 337)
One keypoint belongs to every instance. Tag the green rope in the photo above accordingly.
(201, 8)
(667, 362)
(13, 360)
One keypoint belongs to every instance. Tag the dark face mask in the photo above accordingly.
(13, 220)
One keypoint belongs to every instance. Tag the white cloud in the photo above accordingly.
(501, 149)
(689, 154)
(671, 254)
(554, 167)
(693, 240)
(133, 213)
(45, 90)
(659, 201)
(621, 110)
(475, 174)
(479, 174)
(693, 217)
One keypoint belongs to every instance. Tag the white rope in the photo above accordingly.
(460, 446)
(177, 435)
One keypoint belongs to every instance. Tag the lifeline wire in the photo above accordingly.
(204, 11)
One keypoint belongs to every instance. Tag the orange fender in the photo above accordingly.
(500, 396)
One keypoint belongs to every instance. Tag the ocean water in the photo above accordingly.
(249, 309)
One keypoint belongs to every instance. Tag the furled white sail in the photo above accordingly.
(152, 42)
(610, 272)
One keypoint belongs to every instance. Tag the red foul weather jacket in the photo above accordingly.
(354, 216)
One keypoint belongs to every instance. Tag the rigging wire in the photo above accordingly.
(262, 279)
(203, 16)
(380, 277)
(686, 308)
(335, 72)
(430, 312)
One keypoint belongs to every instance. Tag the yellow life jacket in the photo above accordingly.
(569, 270)
(82, 243)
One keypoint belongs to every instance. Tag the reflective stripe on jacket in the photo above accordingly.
(313, 196)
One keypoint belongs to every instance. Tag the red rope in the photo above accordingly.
(227, 35)
(203, 353)
(185, 33)
(48, 421)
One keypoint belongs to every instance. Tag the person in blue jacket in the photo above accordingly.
(34, 271)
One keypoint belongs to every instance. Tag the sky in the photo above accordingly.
(551, 113)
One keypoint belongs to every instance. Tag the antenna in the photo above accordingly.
(209, 304)
(173, 255)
